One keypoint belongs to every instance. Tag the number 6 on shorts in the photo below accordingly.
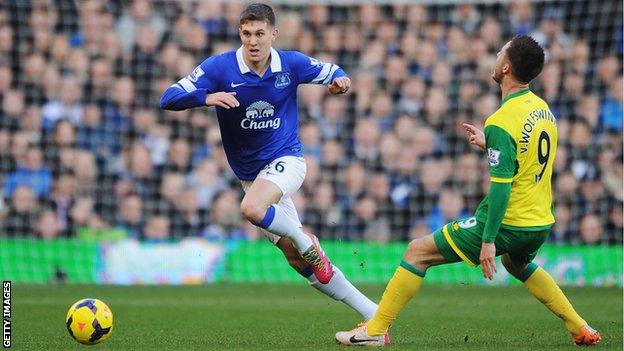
(279, 166)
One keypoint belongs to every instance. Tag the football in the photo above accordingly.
(89, 321)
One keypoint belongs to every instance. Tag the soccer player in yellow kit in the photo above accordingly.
(513, 220)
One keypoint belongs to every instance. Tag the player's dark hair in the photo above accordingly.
(258, 12)
(526, 57)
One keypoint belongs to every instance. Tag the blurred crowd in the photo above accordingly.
(84, 149)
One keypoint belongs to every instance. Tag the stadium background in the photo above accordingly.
(99, 185)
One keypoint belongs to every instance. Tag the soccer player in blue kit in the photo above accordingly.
(254, 90)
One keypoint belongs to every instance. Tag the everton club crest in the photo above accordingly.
(282, 80)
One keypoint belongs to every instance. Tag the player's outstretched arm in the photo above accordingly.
(176, 98)
(475, 135)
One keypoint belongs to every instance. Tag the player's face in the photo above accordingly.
(502, 66)
(257, 37)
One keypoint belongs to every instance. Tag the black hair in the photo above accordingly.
(258, 12)
(526, 57)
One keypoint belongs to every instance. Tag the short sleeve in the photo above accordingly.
(501, 152)
(202, 77)
(311, 70)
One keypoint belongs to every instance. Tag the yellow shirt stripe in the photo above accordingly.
(501, 180)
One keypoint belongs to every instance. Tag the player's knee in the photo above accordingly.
(252, 212)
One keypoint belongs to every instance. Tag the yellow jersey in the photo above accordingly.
(521, 143)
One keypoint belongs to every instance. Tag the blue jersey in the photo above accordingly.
(265, 125)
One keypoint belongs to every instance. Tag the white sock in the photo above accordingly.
(340, 289)
(283, 225)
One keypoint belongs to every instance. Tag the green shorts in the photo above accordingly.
(461, 240)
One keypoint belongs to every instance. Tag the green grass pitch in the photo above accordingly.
(296, 317)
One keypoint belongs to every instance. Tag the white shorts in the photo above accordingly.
(288, 173)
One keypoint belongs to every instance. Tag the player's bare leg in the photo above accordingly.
(541, 285)
(338, 288)
(423, 253)
(420, 255)
(260, 206)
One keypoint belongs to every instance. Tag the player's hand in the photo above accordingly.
(340, 85)
(222, 99)
(488, 265)
(475, 135)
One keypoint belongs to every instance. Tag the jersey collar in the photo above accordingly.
(276, 61)
(516, 94)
